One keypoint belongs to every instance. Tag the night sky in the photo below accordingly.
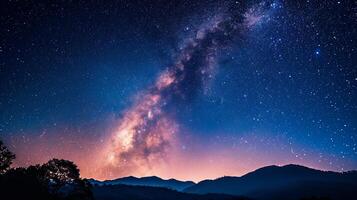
(183, 89)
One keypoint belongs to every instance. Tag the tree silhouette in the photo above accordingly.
(6, 158)
(55, 180)
(61, 171)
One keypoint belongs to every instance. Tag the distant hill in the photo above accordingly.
(127, 192)
(290, 182)
(286, 182)
(147, 181)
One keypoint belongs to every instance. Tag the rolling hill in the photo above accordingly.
(286, 182)
(291, 182)
(129, 192)
(152, 181)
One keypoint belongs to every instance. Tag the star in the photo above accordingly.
(317, 52)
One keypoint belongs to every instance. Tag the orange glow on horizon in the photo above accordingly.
(191, 164)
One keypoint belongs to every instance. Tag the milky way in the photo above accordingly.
(146, 133)
(185, 89)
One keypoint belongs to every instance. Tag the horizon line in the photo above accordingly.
(182, 180)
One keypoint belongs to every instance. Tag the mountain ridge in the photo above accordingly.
(272, 180)
(267, 183)
(125, 192)
(152, 181)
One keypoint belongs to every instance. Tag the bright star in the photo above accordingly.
(317, 51)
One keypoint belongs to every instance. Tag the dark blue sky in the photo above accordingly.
(290, 82)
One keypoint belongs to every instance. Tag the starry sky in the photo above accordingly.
(184, 89)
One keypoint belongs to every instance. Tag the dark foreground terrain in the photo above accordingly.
(128, 192)
(287, 182)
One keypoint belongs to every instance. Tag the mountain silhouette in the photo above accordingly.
(129, 192)
(286, 182)
(152, 181)
(293, 182)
